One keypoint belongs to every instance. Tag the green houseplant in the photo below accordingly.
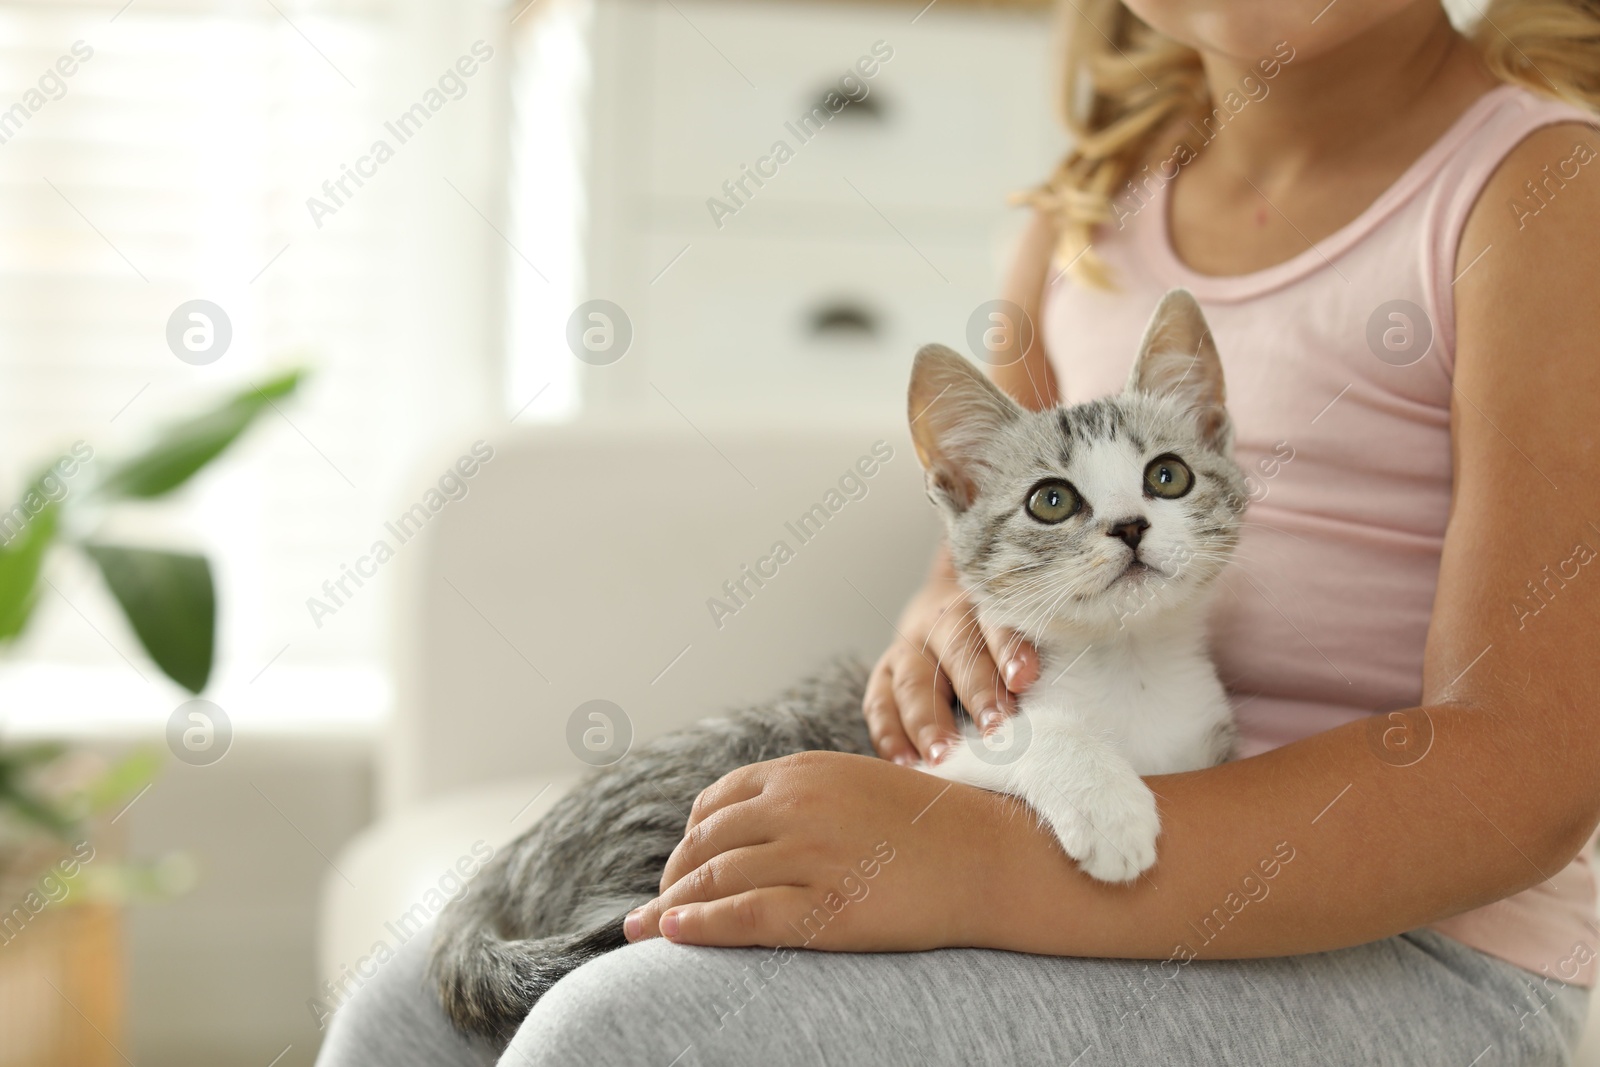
(167, 596)
(60, 914)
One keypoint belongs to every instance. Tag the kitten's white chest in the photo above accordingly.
(1099, 718)
(1154, 697)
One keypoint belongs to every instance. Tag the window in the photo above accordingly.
(179, 161)
(549, 93)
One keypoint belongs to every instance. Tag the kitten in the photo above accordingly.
(1094, 531)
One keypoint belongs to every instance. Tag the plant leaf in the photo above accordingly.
(185, 447)
(134, 881)
(171, 602)
(35, 808)
(20, 560)
(121, 780)
(18, 763)
(21, 757)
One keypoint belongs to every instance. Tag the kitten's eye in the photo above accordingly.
(1053, 501)
(1168, 476)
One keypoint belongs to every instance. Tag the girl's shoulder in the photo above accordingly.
(1548, 165)
(1541, 200)
(1526, 262)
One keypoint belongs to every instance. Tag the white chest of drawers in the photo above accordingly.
(781, 255)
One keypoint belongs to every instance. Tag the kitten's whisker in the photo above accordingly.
(1019, 567)
(1037, 605)
(1046, 610)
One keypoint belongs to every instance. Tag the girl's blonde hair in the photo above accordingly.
(1124, 83)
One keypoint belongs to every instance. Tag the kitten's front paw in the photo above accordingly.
(1112, 834)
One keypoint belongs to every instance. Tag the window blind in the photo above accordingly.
(175, 162)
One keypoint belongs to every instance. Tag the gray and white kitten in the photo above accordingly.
(1094, 531)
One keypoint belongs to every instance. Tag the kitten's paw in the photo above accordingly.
(1113, 835)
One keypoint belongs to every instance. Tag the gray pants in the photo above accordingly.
(1418, 999)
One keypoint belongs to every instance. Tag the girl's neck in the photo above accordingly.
(1414, 70)
(1335, 129)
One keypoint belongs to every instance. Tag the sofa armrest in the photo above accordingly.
(397, 874)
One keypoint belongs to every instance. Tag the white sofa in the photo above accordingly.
(579, 567)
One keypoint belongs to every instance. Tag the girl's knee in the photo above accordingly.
(643, 1003)
(393, 1018)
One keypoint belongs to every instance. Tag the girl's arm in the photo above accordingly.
(1319, 844)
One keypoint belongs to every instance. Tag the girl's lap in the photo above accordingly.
(1416, 999)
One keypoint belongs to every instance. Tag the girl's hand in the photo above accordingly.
(832, 851)
(941, 648)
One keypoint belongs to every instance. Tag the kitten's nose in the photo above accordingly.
(1130, 530)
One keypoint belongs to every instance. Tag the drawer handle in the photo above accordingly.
(842, 319)
(869, 107)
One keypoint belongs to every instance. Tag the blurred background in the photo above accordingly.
(577, 308)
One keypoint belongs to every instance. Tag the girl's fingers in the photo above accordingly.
(732, 788)
(883, 716)
(774, 916)
(924, 714)
(727, 874)
(727, 829)
(1017, 659)
(964, 657)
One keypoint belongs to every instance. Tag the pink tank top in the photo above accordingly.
(1342, 416)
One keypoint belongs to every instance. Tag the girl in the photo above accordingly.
(1391, 227)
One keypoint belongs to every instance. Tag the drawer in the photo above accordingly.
(728, 81)
(808, 328)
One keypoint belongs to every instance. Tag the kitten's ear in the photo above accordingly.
(954, 412)
(1177, 358)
